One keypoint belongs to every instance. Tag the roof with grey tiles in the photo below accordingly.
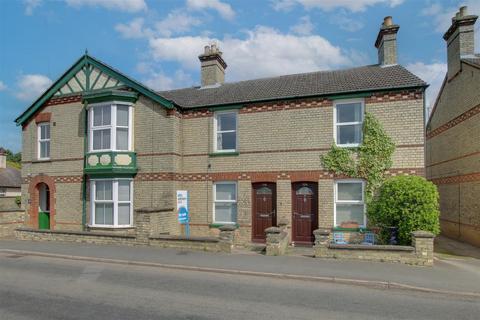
(10, 177)
(321, 83)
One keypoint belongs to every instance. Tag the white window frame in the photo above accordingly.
(40, 140)
(336, 201)
(114, 200)
(224, 201)
(335, 124)
(216, 132)
(112, 127)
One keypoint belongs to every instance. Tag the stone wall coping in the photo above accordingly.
(273, 230)
(370, 247)
(322, 232)
(422, 234)
(184, 238)
(12, 210)
(152, 210)
(77, 233)
(228, 227)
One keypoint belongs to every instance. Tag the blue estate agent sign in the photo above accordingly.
(182, 206)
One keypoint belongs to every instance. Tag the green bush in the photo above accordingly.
(407, 202)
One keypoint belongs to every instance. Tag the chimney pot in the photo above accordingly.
(387, 21)
(457, 15)
(463, 11)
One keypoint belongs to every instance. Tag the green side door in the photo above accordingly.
(44, 220)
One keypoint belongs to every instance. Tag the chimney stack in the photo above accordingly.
(212, 66)
(386, 42)
(3, 158)
(460, 38)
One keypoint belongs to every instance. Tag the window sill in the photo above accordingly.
(348, 146)
(218, 225)
(42, 160)
(109, 227)
(224, 154)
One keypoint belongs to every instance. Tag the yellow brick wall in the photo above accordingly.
(295, 139)
(455, 153)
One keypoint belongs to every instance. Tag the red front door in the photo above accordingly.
(304, 212)
(264, 209)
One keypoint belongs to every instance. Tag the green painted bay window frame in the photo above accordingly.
(111, 163)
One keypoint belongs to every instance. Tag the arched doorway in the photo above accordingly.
(43, 206)
(42, 202)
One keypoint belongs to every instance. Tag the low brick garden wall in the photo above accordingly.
(74, 236)
(10, 219)
(420, 253)
(144, 233)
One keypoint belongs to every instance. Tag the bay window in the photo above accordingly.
(348, 116)
(110, 127)
(350, 202)
(225, 202)
(111, 202)
(43, 141)
(225, 131)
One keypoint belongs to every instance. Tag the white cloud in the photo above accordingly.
(31, 86)
(433, 74)
(303, 27)
(30, 6)
(176, 22)
(3, 86)
(134, 29)
(121, 5)
(264, 52)
(351, 5)
(160, 81)
(223, 9)
(344, 22)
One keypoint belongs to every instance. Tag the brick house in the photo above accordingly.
(453, 133)
(98, 145)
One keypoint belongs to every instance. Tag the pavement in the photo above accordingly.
(450, 274)
(46, 288)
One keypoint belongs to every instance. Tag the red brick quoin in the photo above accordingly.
(34, 199)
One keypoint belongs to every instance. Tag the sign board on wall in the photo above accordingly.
(182, 206)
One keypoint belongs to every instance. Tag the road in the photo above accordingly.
(49, 288)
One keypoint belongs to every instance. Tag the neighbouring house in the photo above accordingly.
(10, 179)
(453, 134)
(98, 145)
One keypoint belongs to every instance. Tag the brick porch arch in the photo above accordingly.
(34, 199)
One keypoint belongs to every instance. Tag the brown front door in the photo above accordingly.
(304, 212)
(264, 213)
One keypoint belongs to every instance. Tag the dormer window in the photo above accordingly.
(110, 127)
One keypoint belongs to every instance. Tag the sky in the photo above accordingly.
(158, 41)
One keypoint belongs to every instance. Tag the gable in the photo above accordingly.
(89, 75)
(456, 97)
(89, 78)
